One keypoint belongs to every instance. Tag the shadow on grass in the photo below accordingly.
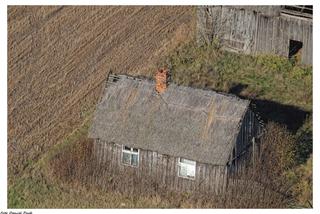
(290, 116)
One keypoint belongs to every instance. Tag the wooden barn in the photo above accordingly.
(186, 137)
(281, 30)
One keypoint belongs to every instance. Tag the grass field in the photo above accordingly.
(266, 77)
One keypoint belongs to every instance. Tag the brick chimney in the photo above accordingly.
(161, 80)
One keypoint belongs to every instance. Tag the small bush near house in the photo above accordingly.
(277, 153)
(301, 178)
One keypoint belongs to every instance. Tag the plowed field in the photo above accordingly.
(58, 59)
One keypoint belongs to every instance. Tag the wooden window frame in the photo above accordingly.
(181, 164)
(131, 152)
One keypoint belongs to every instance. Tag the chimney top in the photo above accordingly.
(161, 80)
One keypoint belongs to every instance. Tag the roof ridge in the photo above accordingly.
(180, 87)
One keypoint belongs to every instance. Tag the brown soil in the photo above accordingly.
(58, 59)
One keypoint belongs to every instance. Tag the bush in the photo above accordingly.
(74, 161)
(304, 141)
(276, 156)
(302, 184)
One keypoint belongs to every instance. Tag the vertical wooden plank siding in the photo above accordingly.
(249, 31)
(208, 177)
(165, 168)
(250, 127)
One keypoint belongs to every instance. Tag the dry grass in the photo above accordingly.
(77, 166)
(69, 176)
(302, 180)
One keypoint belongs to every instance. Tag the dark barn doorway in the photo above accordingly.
(295, 50)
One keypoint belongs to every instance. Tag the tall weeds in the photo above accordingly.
(259, 187)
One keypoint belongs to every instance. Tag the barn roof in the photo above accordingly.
(196, 124)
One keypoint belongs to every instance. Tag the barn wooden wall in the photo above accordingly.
(252, 32)
(165, 168)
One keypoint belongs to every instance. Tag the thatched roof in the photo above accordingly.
(197, 124)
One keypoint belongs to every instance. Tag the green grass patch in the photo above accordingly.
(268, 77)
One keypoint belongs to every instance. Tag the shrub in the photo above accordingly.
(302, 184)
(304, 141)
(73, 161)
(276, 156)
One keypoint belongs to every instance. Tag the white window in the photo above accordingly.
(187, 168)
(130, 156)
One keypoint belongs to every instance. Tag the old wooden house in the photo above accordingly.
(281, 30)
(186, 137)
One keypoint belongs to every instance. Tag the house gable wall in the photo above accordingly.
(244, 147)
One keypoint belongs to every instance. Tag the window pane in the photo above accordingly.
(190, 162)
(183, 171)
(125, 158)
(187, 168)
(191, 172)
(134, 160)
(135, 150)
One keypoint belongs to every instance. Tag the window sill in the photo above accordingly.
(125, 164)
(189, 178)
